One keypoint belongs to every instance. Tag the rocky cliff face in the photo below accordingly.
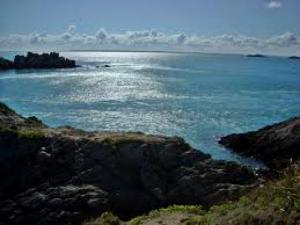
(64, 175)
(275, 145)
(36, 61)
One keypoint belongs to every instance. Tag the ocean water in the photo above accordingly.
(200, 97)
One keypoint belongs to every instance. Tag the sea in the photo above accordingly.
(200, 97)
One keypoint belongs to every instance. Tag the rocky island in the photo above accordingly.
(37, 61)
(256, 56)
(294, 57)
(65, 176)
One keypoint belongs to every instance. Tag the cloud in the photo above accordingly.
(286, 43)
(274, 4)
(101, 35)
(287, 39)
(71, 28)
(181, 38)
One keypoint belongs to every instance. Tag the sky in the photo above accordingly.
(225, 26)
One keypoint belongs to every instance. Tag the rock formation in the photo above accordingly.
(274, 145)
(5, 64)
(294, 57)
(37, 61)
(64, 175)
(256, 55)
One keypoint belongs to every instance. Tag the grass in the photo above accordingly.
(275, 203)
(189, 209)
(106, 218)
(22, 132)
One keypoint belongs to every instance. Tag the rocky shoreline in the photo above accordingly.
(64, 175)
(277, 145)
(37, 61)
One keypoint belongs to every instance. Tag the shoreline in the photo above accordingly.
(84, 174)
(156, 171)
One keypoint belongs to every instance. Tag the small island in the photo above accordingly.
(294, 57)
(256, 56)
(37, 61)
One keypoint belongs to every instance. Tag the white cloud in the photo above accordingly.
(101, 35)
(286, 43)
(274, 4)
(285, 40)
(71, 28)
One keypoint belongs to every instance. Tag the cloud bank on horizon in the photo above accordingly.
(282, 44)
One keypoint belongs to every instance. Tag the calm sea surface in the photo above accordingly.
(200, 97)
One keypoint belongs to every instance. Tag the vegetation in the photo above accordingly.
(22, 132)
(106, 218)
(277, 202)
(187, 209)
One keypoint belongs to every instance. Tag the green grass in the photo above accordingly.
(190, 209)
(106, 218)
(275, 203)
(22, 132)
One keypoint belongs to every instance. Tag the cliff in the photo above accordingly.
(65, 175)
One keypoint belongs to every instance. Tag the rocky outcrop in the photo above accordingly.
(64, 175)
(294, 57)
(5, 64)
(37, 61)
(52, 60)
(274, 145)
(256, 55)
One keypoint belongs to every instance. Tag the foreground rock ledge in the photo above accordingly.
(275, 145)
(64, 175)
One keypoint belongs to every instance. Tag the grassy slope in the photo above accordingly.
(277, 202)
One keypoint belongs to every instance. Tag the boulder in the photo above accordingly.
(276, 145)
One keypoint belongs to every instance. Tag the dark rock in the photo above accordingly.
(294, 57)
(256, 56)
(5, 64)
(65, 175)
(274, 145)
(106, 65)
(33, 60)
(37, 61)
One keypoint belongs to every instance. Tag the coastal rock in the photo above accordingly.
(256, 55)
(294, 57)
(274, 145)
(65, 175)
(52, 60)
(37, 61)
(5, 64)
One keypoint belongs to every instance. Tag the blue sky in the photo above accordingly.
(178, 22)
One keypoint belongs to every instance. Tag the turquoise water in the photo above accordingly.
(200, 97)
